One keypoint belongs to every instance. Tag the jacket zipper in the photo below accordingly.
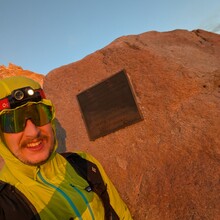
(85, 200)
(62, 193)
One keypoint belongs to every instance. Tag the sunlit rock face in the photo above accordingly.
(14, 70)
(165, 166)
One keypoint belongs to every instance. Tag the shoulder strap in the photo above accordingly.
(2, 185)
(90, 172)
(14, 204)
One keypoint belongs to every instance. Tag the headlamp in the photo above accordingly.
(30, 92)
(21, 96)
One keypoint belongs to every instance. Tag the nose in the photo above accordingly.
(31, 130)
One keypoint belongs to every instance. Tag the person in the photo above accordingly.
(36, 182)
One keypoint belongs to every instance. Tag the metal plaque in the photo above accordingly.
(108, 106)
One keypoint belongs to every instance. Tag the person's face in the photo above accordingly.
(32, 146)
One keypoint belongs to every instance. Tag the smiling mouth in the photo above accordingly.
(33, 144)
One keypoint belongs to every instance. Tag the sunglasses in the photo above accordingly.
(14, 121)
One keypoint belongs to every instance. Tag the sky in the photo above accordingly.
(41, 35)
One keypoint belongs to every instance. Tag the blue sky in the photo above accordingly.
(41, 35)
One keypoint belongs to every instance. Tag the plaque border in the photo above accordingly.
(93, 138)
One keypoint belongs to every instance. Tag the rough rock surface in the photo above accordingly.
(14, 70)
(166, 166)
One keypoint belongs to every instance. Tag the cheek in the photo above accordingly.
(12, 140)
(48, 131)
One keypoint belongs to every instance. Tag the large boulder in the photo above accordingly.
(165, 166)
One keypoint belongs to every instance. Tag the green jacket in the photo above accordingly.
(58, 192)
(54, 189)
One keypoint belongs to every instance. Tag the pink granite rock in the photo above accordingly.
(167, 165)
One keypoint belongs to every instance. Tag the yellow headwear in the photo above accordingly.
(16, 92)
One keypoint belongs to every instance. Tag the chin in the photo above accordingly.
(37, 160)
